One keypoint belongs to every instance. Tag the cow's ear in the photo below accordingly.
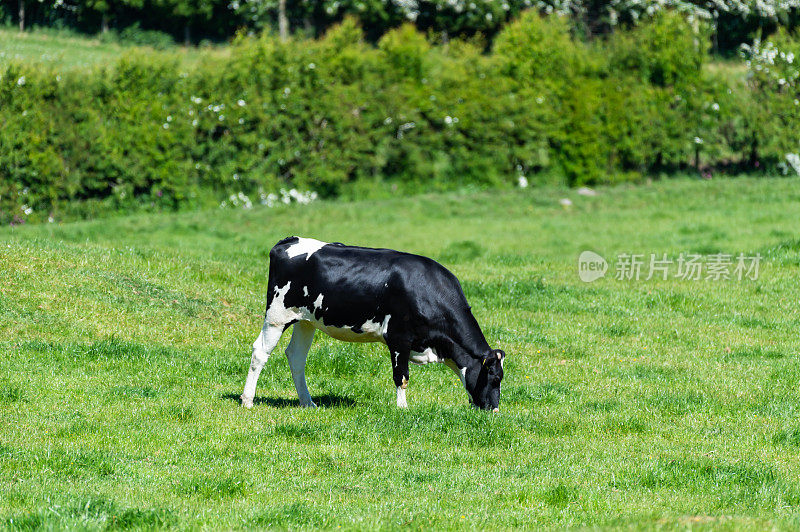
(500, 354)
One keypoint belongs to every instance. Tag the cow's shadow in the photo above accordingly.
(327, 400)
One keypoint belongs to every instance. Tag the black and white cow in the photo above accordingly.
(410, 303)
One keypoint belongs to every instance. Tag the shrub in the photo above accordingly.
(135, 35)
(535, 48)
(664, 51)
(405, 53)
(771, 125)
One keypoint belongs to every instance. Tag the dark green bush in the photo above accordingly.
(135, 35)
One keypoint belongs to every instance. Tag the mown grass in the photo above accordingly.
(63, 49)
(666, 404)
(53, 48)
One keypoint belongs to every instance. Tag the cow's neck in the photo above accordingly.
(469, 344)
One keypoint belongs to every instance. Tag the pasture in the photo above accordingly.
(662, 403)
(56, 48)
(67, 50)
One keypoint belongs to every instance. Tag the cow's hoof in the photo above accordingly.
(310, 404)
(247, 402)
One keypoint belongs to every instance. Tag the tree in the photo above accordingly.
(262, 13)
(102, 7)
(283, 22)
(188, 12)
(106, 9)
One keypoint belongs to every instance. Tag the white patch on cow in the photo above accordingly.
(277, 313)
(401, 397)
(426, 357)
(305, 291)
(304, 246)
(318, 302)
(259, 343)
(371, 331)
(376, 329)
(371, 327)
(345, 333)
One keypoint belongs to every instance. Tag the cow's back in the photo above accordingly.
(354, 287)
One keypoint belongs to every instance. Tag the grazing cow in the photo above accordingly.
(410, 303)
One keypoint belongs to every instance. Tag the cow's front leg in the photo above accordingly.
(400, 374)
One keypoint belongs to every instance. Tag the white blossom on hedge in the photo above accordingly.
(794, 161)
(241, 200)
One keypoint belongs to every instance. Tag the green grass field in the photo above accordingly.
(52, 48)
(73, 51)
(660, 404)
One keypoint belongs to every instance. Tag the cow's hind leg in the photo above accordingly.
(262, 348)
(296, 353)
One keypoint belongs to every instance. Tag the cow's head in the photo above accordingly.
(485, 381)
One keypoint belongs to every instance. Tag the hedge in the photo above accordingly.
(341, 117)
